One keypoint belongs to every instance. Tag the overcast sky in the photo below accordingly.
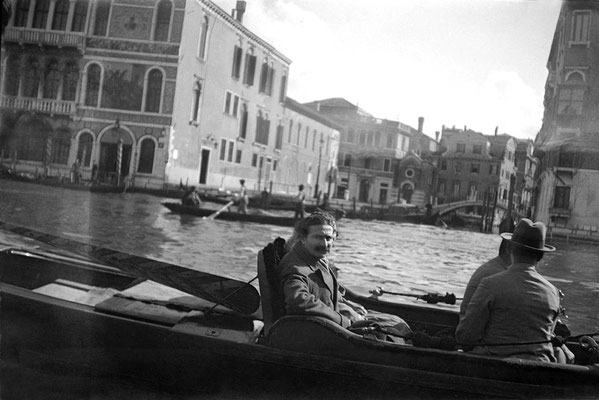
(474, 63)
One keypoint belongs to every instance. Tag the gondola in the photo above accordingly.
(230, 215)
(66, 310)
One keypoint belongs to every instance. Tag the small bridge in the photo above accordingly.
(443, 209)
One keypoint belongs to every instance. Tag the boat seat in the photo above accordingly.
(271, 293)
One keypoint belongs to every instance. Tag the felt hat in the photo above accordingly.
(530, 235)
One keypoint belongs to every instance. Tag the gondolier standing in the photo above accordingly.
(300, 203)
(243, 198)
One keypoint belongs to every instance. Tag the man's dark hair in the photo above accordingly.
(317, 218)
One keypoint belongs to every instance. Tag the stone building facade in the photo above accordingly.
(568, 142)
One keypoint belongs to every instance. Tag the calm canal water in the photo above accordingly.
(399, 257)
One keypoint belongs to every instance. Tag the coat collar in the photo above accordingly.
(318, 264)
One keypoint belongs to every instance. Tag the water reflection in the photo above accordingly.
(400, 257)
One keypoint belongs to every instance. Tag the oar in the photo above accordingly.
(216, 214)
(431, 298)
(233, 294)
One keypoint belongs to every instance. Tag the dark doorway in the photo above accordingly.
(364, 190)
(107, 168)
(204, 166)
(383, 196)
(406, 191)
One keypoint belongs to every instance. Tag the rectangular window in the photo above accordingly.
(290, 131)
(254, 160)
(443, 165)
(389, 144)
(367, 163)
(363, 138)
(456, 188)
(231, 104)
(475, 168)
(570, 101)
(386, 165)
(299, 133)
(562, 197)
(223, 149)
(460, 148)
(441, 186)
(231, 150)
(306, 137)
(237, 55)
(279, 138)
(235, 105)
(263, 78)
(477, 149)
(581, 22)
(347, 160)
(228, 96)
(313, 140)
(243, 124)
(238, 156)
(350, 136)
(274, 165)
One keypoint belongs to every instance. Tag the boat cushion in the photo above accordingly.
(140, 310)
(76, 292)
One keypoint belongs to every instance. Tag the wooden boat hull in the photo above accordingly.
(189, 349)
(230, 216)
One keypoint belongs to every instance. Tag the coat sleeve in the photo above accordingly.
(472, 325)
(299, 299)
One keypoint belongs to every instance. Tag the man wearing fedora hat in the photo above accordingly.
(513, 313)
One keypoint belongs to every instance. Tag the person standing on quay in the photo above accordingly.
(300, 204)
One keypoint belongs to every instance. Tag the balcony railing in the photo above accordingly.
(43, 37)
(48, 106)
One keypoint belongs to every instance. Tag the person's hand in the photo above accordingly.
(356, 307)
(348, 311)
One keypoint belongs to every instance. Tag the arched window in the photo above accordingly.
(84, 149)
(13, 73)
(79, 16)
(243, 125)
(61, 145)
(575, 77)
(61, 12)
(163, 20)
(154, 91)
(101, 20)
(92, 88)
(71, 76)
(203, 39)
(22, 13)
(259, 122)
(32, 78)
(40, 14)
(51, 80)
(146, 156)
(283, 89)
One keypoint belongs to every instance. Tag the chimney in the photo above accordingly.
(437, 136)
(420, 124)
(496, 128)
(240, 10)
(318, 106)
